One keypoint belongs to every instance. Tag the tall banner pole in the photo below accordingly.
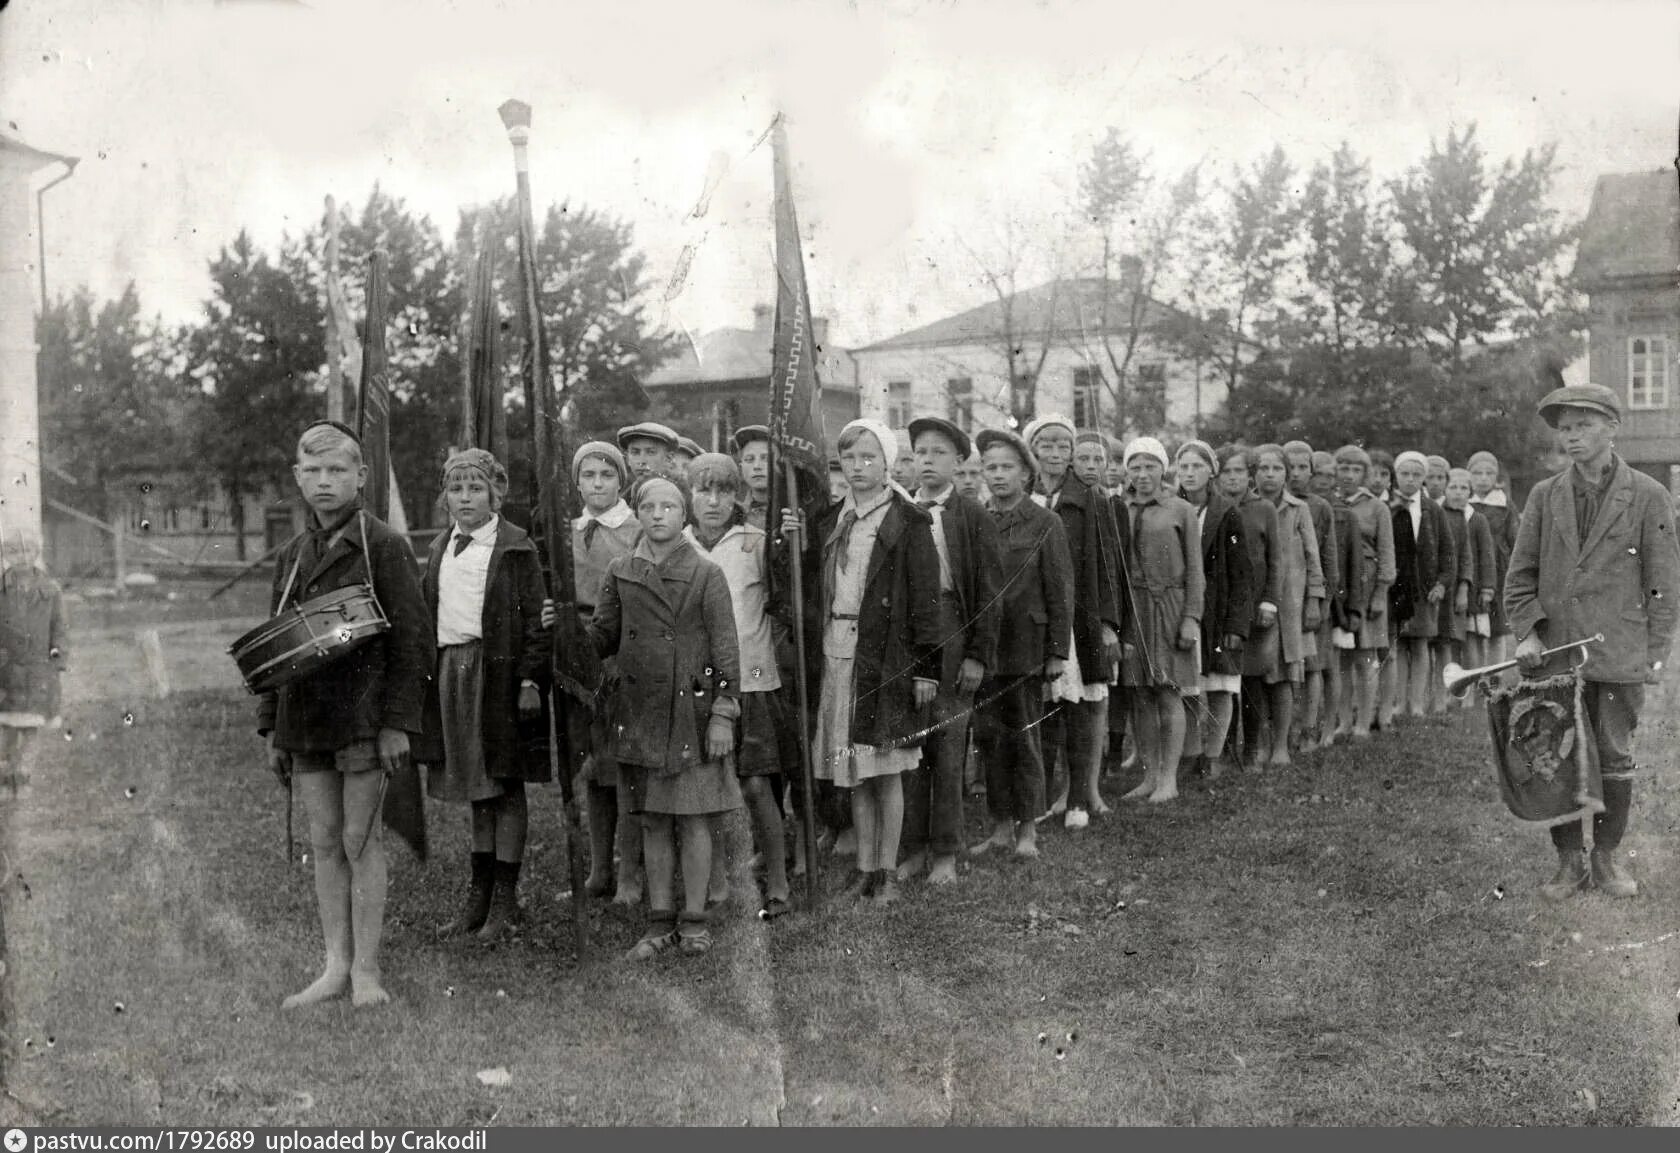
(576, 669)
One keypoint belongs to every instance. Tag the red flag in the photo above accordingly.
(796, 418)
(484, 423)
(373, 408)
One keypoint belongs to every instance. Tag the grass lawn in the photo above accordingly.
(1358, 940)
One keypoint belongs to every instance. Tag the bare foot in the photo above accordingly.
(328, 985)
(1281, 761)
(365, 988)
(944, 870)
(1167, 792)
(1146, 787)
(629, 893)
(1026, 847)
(845, 845)
(1060, 805)
(913, 864)
(1096, 804)
(1002, 837)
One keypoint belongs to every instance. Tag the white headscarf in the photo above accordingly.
(1147, 446)
(1049, 420)
(889, 442)
(1412, 456)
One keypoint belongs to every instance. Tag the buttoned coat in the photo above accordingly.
(1228, 608)
(1450, 624)
(1377, 568)
(1502, 522)
(1324, 525)
(1300, 575)
(378, 686)
(1434, 566)
(1037, 590)
(1622, 580)
(971, 540)
(514, 647)
(898, 621)
(1098, 572)
(672, 627)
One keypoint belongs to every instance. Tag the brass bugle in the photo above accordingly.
(1458, 680)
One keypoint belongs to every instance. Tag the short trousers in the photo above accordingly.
(356, 757)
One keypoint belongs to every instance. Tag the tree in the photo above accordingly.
(110, 404)
(1026, 324)
(1253, 248)
(1482, 251)
(256, 357)
(1346, 256)
(1141, 227)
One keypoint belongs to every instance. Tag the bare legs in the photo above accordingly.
(603, 819)
(660, 834)
(350, 880)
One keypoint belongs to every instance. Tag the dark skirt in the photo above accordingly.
(768, 744)
(463, 774)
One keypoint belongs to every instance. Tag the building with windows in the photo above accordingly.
(721, 381)
(1628, 264)
(1060, 342)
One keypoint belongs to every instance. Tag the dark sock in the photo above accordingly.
(507, 872)
(1567, 837)
(483, 868)
(1611, 824)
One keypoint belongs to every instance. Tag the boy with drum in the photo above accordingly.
(343, 727)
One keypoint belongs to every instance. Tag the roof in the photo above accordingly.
(1071, 307)
(1632, 228)
(727, 354)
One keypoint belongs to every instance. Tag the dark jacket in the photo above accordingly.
(672, 626)
(898, 621)
(1448, 623)
(1265, 550)
(1347, 561)
(34, 642)
(380, 685)
(1098, 576)
(1324, 523)
(1434, 563)
(515, 647)
(1229, 605)
(1621, 578)
(1502, 523)
(971, 540)
(1037, 576)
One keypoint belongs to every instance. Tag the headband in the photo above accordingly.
(1202, 449)
(1091, 437)
(1443, 462)
(889, 442)
(714, 464)
(652, 481)
(479, 461)
(1483, 457)
(1412, 456)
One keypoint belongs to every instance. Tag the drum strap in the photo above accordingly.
(297, 561)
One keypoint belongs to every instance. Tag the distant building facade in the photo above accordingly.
(721, 381)
(1063, 334)
(1628, 264)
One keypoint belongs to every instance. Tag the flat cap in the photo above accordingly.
(691, 447)
(748, 433)
(1592, 397)
(649, 430)
(945, 428)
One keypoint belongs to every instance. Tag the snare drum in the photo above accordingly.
(308, 637)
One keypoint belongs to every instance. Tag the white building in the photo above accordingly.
(1066, 339)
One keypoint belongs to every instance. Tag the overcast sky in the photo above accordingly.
(911, 125)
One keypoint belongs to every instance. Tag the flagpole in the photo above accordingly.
(557, 528)
(796, 585)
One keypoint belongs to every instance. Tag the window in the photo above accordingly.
(1152, 374)
(1086, 382)
(1648, 372)
(898, 403)
(961, 392)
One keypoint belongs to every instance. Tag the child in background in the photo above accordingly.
(873, 557)
(1487, 498)
(1340, 567)
(752, 450)
(721, 535)
(682, 456)
(666, 614)
(1035, 630)
(607, 530)
(1436, 577)
(1077, 702)
(484, 719)
(34, 645)
(1227, 608)
(968, 480)
(1262, 651)
(1162, 641)
(1364, 639)
(1301, 587)
(904, 466)
(1470, 612)
(1318, 654)
(648, 448)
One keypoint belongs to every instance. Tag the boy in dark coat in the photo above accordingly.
(970, 577)
(342, 728)
(1033, 637)
(1437, 577)
(1596, 553)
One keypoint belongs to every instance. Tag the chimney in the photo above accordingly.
(763, 317)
